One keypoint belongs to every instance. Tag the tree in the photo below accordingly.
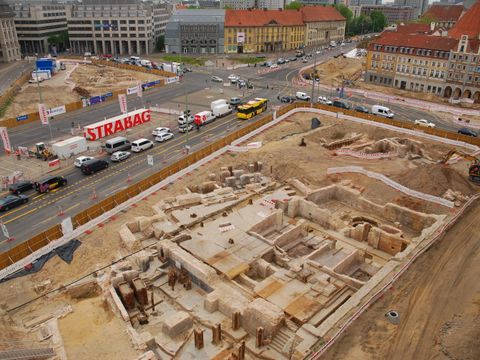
(427, 19)
(160, 44)
(345, 11)
(294, 5)
(379, 21)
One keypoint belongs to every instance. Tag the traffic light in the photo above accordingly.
(186, 113)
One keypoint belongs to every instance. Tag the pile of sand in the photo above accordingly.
(435, 179)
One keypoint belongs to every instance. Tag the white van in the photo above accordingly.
(203, 118)
(382, 111)
(134, 58)
(141, 145)
(302, 96)
(118, 143)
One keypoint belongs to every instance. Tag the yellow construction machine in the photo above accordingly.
(473, 170)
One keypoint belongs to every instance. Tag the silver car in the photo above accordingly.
(120, 156)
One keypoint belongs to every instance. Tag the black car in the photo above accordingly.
(20, 187)
(342, 104)
(11, 201)
(468, 132)
(287, 99)
(50, 183)
(362, 109)
(293, 58)
(92, 166)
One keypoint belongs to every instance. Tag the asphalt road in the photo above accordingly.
(11, 72)
(42, 210)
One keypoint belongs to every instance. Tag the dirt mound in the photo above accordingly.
(435, 179)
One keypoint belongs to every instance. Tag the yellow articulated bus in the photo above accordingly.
(252, 108)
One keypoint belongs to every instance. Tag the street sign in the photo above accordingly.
(5, 230)
(42, 111)
(122, 99)
(150, 160)
(5, 139)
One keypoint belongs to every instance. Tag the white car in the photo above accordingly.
(164, 136)
(120, 156)
(324, 100)
(160, 130)
(233, 78)
(185, 127)
(81, 159)
(181, 119)
(273, 66)
(424, 123)
(217, 79)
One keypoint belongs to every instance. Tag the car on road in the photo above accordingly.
(11, 201)
(361, 109)
(20, 187)
(185, 127)
(233, 78)
(280, 61)
(181, 119)
(187, 69)
(94, 165)
(300, 95)
(304, 60)
(273, 66)
(424, 123)
(342, 104)
(81, 159)
(164, 136)
(49, 183)
(324, 100)
(293, 58)
(120, 156)
(141, 145)
(287, 99)
(161, 130)
(216, 79)
(241, 83)
(235, 101)
(468, 132)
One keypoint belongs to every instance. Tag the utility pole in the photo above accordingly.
(314, 73)
(41, 98)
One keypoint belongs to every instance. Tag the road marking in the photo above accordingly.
(20, 216)
(14, 211)
(38, 196)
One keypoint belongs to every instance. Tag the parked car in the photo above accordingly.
(35, 80)
(273, 66)
(300, 95)
(468, 132)
(424, 123)
(362, 109)
(11, 201)
(324, 100)
(92, 166)
(81, 159)
(185, 127)
(164, 136)
(161, 130)
(182, 120)
(280, 61)
(235, 101)
(287, 99)
(49, 183)
(304, 60)
(20, 187)
(233, 78)
(217, 79)
(293, 58)
(120, 156)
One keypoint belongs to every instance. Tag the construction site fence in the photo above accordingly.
(34, 116)
(26, 248)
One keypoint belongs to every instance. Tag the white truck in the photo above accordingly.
(220, 108)
(69, 147)
(145, 62)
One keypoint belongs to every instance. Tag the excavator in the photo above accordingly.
(473, 170)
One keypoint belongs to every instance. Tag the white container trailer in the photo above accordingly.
(70, 147)
(217, 102)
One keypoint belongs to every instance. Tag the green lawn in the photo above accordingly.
(184, 59)
(4, 107)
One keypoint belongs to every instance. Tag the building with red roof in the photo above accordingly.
(445, 16)
(263, 30)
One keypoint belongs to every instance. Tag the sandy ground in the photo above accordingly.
(282, 159)
(58, 90)
(438, 300)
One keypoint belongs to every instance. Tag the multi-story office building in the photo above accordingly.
(364, 2)
(258, 30)
(420, 6)
(322, 25)
(237, 4)
(195, 32)
(36, 22)
(393, 13)
(446, 65)
(116, 27)
(444, 16)
(9, 47)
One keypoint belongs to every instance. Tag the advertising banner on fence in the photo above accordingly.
(56, 111)
(42, 111)
(173, 80)
(5, 139)
(139, 90)
(22, 117)
(132, 90)
(116, 124)
(122, 99)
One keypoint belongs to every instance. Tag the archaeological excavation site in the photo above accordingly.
(264, 252)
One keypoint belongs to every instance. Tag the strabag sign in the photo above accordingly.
(116, 124)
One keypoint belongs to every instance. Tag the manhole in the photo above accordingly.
(393, 316)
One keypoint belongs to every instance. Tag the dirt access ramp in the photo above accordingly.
(438, 300)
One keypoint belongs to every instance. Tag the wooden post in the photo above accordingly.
(259, 341)
(216, 334)
(236, 320)
(198, 337)
(241, 351)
